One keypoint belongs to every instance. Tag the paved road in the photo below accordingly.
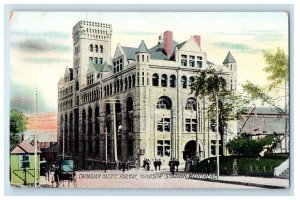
(141, 179)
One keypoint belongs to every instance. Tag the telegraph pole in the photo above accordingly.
(217, 137)
(35, 140)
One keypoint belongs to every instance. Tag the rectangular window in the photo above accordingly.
(190, 125)
(184, 60)
(91, 59)
(213, 147)
(199, 64)
(96, 60)
(100, 60)
(192, 61)
(164, 124)
(163, 147)
(24, 161)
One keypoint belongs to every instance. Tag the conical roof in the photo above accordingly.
(229, 59)
(142, 48)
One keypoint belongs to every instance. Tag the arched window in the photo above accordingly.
(164, 80)
(155, 79)
(129, 113)
(110, 90)
(191, 80)
(126, 83)
(91, 48)
(118, 85)
(164, 103)
(183, 82)
(77, 86)
(101, 49)
(191, 104)
(129, 85)
(121, 85)
(107, 118)
(133, 80)
(96, 48)
(107, 109)
(173, 81)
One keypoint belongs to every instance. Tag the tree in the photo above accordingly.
(278, 74)
(277, 68)
(211, 84)
(18, 122)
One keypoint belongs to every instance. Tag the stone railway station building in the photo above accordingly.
(136, 104)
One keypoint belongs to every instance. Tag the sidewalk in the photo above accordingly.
(271, 183)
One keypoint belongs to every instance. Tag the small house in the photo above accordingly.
(22, 164)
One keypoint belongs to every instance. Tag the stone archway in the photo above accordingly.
(189, 149)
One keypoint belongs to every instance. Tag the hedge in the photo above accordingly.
(249, 166)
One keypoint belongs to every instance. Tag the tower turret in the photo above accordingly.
(142, 54)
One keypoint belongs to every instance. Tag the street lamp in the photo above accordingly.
(105, 143)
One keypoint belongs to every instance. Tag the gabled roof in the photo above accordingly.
(68, 71)
(158, 53)
(61, 81)
(229, 59)
(52, 149)
(24, 147)
(142, 48)
(98, 67)
(180, 45)
(106, 67)
(130, 52)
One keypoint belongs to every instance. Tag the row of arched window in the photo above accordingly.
(165, 81)
(91, 96)
(96, 48)
(120, 85)
(66, 91)
(65, 105)
(165, 102)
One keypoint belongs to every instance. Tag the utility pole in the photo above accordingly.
(35, 140)
(217, 137)
(197, 128)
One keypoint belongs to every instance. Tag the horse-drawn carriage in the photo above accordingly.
(65, 170)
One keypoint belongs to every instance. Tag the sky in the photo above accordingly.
(41, 44)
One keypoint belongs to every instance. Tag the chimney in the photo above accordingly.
(168, 43)
(198, 39)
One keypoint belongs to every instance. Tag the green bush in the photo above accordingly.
(247, 165)
(251, 147)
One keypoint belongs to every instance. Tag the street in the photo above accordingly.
(140, 179)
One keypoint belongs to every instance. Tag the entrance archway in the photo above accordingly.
(189, 149)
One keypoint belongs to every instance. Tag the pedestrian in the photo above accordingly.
(148, 165)
(137, 164)
(56, 177)
(159, 164)
(144, 163)
(208, 166)
(177, 164)
(123, 166)
(155, 164)
(75, 179)
(172, 166)
(191, 165)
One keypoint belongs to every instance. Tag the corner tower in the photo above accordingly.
(91, 43)
(230, 63)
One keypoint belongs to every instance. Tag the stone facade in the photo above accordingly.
(136, 105)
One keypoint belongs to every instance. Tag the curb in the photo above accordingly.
(242, 183)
